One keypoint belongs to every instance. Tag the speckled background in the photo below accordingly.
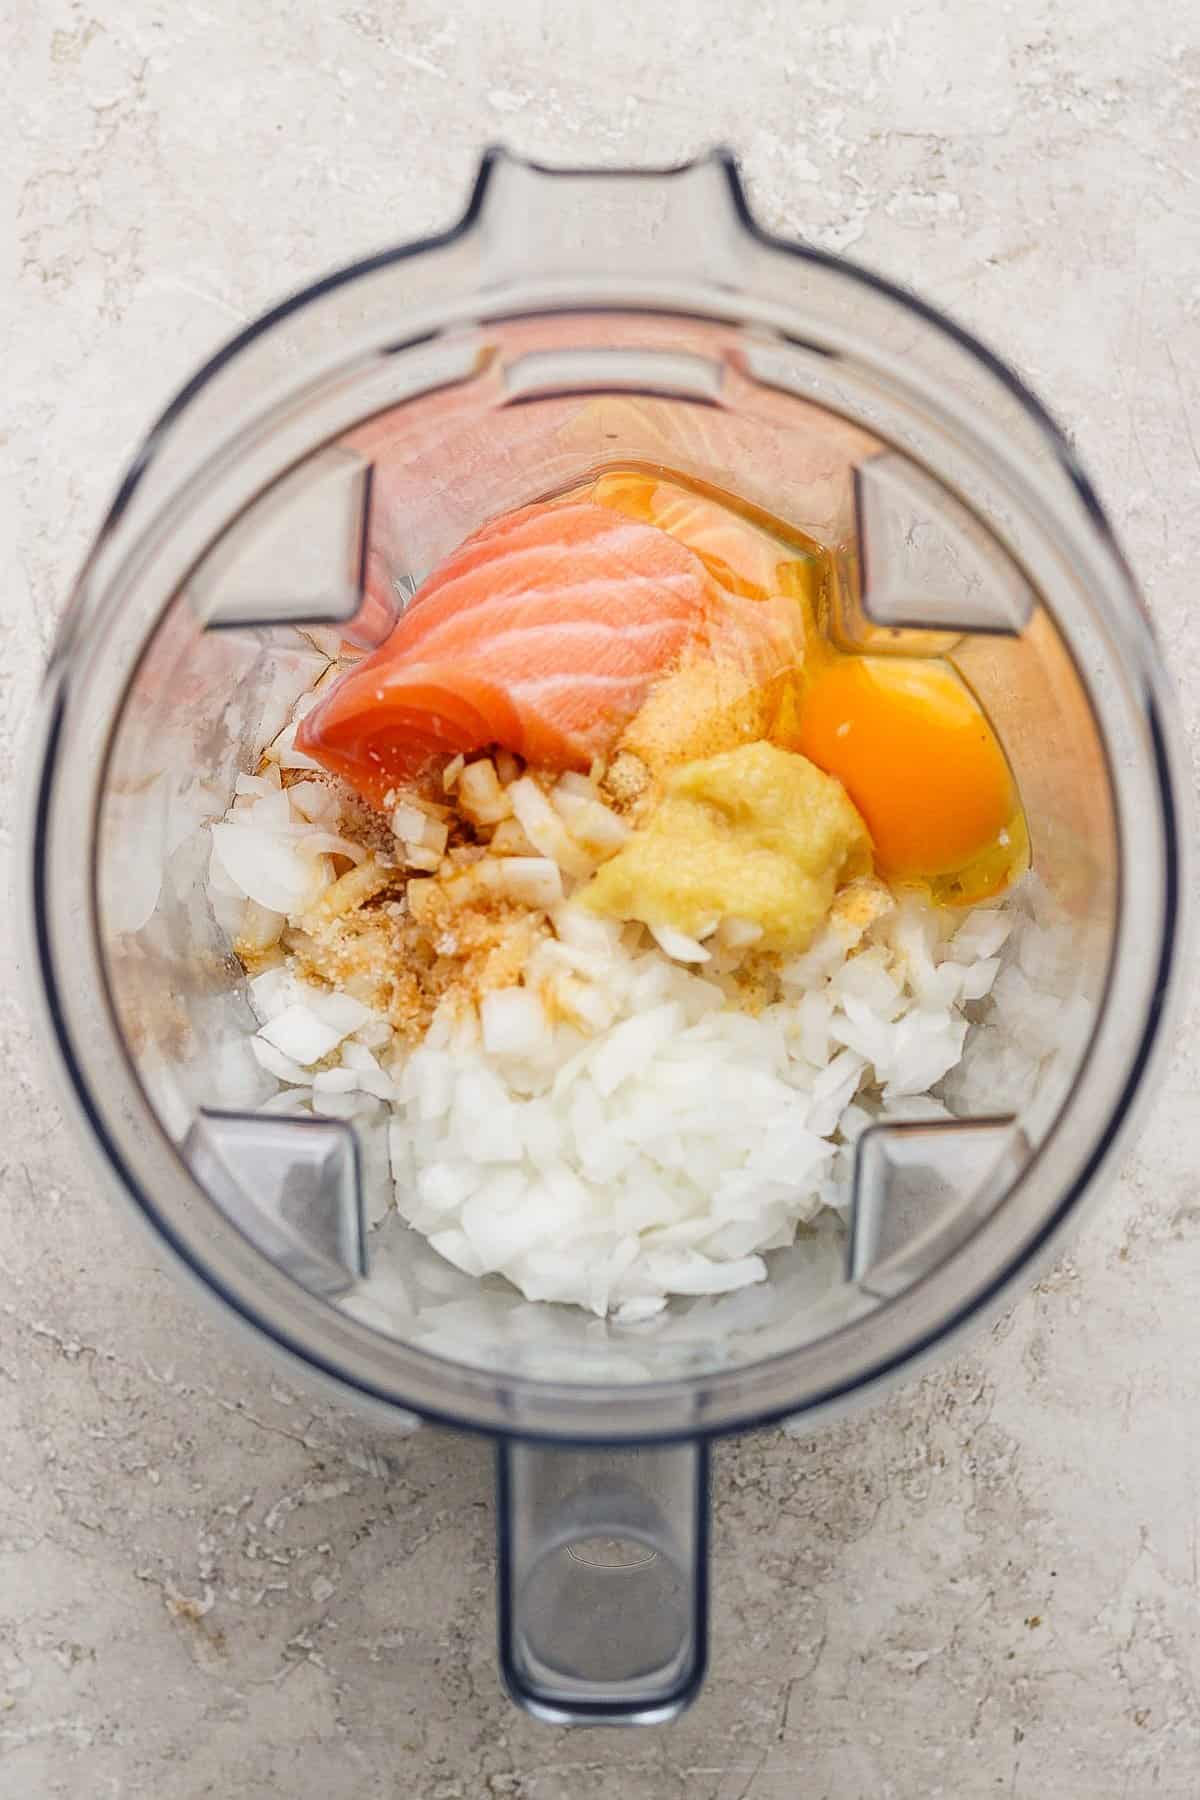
(210, 1586)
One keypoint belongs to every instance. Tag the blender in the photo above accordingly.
(572, 321)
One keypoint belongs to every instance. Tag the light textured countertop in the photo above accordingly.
(210, 1586)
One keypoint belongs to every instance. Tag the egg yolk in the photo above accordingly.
(904, 735)
(912, 747)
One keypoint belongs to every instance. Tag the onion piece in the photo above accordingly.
(592, 824)
(421, 896)
(509, 839)
(335, 1081)
(532, 880)
(260, 928)
(407, 822)
(545, 830)
(678, 945)
(269, 869)
(314, 802)
(335, 1008)
(480, 795)
(301, 1035)
(737, 934)
(571, 782)
(329, 843)
(284, 1068)
(417, 856)
(284, 752)
(452, 771)
(288, 1101)
(514, 1023)
(255, 785)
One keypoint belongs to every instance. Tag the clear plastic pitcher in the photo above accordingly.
(572, 321)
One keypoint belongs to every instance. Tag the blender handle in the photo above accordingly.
(603, 1580)
(688, 222)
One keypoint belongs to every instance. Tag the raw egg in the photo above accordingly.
(914, 750)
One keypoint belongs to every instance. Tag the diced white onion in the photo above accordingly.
(545, 830)
(678, 945)
(301, 1035)
(285, 1068)
(514, 1023)
(480, 795)
(531, 880)
(408, 823)
(271, 870)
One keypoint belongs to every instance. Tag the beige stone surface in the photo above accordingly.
(985, 1586)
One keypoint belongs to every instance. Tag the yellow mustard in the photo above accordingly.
(753, 833)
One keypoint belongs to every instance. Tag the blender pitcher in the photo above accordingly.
(293, 496)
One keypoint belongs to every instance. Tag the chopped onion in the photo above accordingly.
(978, 979)
(329, 843)
(315, 802)
(375, 1033)
(380, 1083)
(285, 1068)
(288, 1101)
(687, 1272)
(284, 752)
(737, 934)
(408, 823)
(678, 945)
(256, 785)
(301, 1035)
(341, 1011)
(514, 1023)
(416, 856)
(268, 869)
(592, 824)
(508, 839)
(571, 782)
(260, 928)
(421, 896)
(639, 1310)
(545, 830)
(451, 772)
(583, 929)
(335, 1081)
(272, 992)
(532, 880)
(347, 1106)
(480, 795)
(589, 1005)
(616, 1128)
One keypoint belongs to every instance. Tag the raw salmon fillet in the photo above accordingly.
(543, 633)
